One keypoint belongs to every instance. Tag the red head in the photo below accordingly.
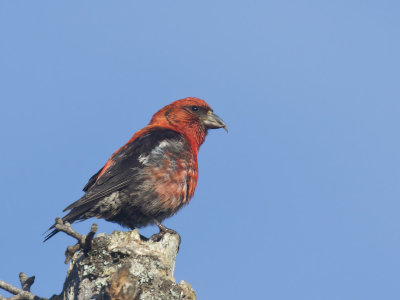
(190, 116)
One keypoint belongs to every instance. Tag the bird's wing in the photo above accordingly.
(123, 167)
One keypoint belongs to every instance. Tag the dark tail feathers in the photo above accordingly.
(51, 234)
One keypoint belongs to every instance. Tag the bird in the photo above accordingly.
(154, 174)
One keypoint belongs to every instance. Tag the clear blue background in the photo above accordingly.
(299, 201)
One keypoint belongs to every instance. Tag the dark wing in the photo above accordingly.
(125, 165)
(92, 180)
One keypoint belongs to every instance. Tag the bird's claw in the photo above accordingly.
(163, 230)
(158, 236)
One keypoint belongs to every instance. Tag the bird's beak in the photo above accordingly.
(212, 121)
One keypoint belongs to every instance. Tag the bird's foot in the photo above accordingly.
(163, 230)
(84, 241)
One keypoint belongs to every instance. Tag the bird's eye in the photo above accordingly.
(195, 108)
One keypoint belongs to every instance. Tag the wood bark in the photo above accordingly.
(122, 266)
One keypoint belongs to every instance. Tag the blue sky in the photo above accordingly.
(299, 201)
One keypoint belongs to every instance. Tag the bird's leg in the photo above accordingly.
(157, 237)
(164, 229)
(84, 241)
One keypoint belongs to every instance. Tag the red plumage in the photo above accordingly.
(154, 174)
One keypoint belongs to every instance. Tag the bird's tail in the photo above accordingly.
(76, 214)
(66, 218)
(78, 211)
(51, 234)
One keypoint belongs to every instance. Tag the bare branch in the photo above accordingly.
(84, 241)
(26, 282)
(9, 288)
(23, 294)
(66, 228)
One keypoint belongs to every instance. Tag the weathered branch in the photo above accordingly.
(26, 282)
(122, 265)
(84, 241)
(24, 294)
(118, 266)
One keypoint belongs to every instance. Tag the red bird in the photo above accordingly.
(154, 174)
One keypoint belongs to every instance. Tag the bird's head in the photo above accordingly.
(190, 116)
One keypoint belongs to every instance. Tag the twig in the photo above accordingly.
(23, 294)
(26, 282)
(84, 241)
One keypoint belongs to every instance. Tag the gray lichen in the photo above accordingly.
(123, 266)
